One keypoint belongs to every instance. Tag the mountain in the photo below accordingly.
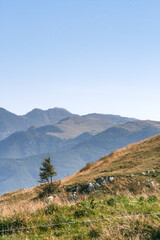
(38, 117)
(120, 136)
(51, 138)
(114, 119)
(87, 149)
(10, 123)
(36, 141)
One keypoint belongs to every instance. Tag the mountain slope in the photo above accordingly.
(112, 139)
(37, 141)
(134, 159)
(76, 125)
(10, 123)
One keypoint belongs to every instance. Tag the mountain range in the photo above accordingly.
(11, 123)
(71, 143)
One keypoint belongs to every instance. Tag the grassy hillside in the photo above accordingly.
(133, 159)
(124, 207)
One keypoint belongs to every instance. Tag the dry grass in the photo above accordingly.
(21, 207)
(134, 158)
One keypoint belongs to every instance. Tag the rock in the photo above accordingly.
(147, 181)
(110, 179)
(97, 186)
(90, 187)
(150, 171)
(100, 180)
(131, 175)
(152, 184)
(74, 196)
(143, 173)
(83, 193)
(78, 189)
(50, 199)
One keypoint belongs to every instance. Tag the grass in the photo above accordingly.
(117, 217)
(134, 158)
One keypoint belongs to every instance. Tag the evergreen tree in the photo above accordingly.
(47, 171)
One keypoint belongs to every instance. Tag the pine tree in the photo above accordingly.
(47, 171)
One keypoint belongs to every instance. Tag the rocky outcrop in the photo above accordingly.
(90, 186)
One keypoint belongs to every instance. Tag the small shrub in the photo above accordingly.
(50, 209)
(9, 225)
(111, 202)
(141, 199)
(49, 188)
(152, 198)
(92, 203)
(86, 167)
(155, 234)
(80, 213)
(94, 233)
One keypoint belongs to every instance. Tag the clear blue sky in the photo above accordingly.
(83, 55)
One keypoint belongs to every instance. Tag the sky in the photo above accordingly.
(83, 55)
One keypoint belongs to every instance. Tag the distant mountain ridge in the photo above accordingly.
(115, 119)
(11, 123)
(51, 138)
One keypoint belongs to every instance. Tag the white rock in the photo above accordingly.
(110, 179)
(152, 184)
(150, 171)
(78, 189)
(50, 199)
(90, 187)
(74, 196)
